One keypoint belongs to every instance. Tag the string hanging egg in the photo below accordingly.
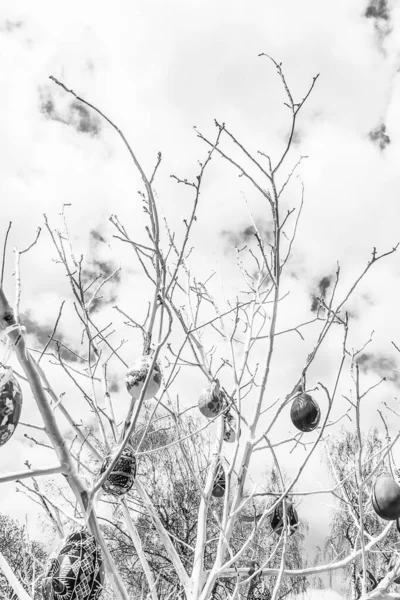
(257, 588)
(122, 476)
(218, 490)
(392, 564)
(386, 498)
(229, 428)
(292, 518)
(10, 403)
(305, 413)
(136, 376)
(212, 401)
(77, 572)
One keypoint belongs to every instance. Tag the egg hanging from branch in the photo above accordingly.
(77, 572)
(218, 490)
(136, 376)
(229, 428)
(10, 403)
(305, 412)
(386, 498)
(392, 564)
(212, 400)
(292, 518)
(257, 588)
(122, 476)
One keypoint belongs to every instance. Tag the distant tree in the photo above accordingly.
(26, 557)
(341, 458)
(173, 487)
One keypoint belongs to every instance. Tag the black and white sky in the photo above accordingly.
(158, 68)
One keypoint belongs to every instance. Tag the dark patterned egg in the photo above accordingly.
(229, 429)
(10, 404)
(218, 490)
(212, 401)
(386, 498)
(392, 564)
(291, 518)
(136, 377)
(305, 413)
(77, 572)
(257, 588)
(122, 477)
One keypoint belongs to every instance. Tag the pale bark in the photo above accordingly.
(12, 579)
(137, 542)
(59, 442)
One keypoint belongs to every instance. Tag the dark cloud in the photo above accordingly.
(296, 138)
(11, 26)
(247, 235)
(96, 272)
(97, 237)
(378, 11)
(379, 136)
(113, 386)
(43, 332)
(76, 115)
(381, 364)
(322, 288)
(84, 120)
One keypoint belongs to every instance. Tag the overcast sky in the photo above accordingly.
(158, 68)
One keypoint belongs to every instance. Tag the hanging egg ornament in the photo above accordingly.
(392, 564)
(212, 401)
(386, 498)
(218, 490)
(136, 376)
(258, 591)
(229, 429)
(305, 413)
(291, 518)
(122, 477)
(10, 403)
(77, 572)
(257, 588)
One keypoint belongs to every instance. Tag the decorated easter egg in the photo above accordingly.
(10, 404)
(122, 477)
(386, 498)
(257, 588)
(136, 377)
(392, 564)
(305, 412)
(212, 401)
(219, 484)
(229, 429)
(77, 572)
(291, 517)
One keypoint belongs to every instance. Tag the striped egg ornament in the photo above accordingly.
(77, 572)
(10, 404)
(219, 486)
(122, 477)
